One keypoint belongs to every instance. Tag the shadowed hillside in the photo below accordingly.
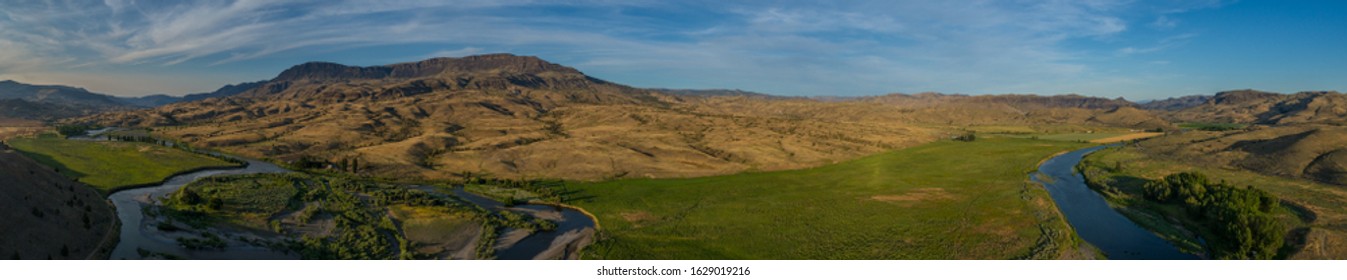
(53, 102)
(47, 216)
(1250, 106)
(1315, 152)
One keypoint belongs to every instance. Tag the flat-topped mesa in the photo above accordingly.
(330, 71)
(490, 63)
(508, 63)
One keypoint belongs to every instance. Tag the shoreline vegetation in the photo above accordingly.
(1203, 216)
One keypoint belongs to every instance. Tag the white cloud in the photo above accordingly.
(1164, 22)
(458, 52)
(1163, 44)
(793, 48)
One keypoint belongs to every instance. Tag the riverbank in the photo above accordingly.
(1123, 195)
(1093, 219)
(576, 228)
(114, 190)
(1309, 210)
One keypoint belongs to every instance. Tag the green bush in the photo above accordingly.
(1240, 218)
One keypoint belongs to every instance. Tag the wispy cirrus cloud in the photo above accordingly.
(789, 47)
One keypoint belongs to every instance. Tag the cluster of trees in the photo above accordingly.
(1240, 218)
(351, 165)
(966, 137)
(547, 190)
(141, 138)
(74, 130)
(189, 197)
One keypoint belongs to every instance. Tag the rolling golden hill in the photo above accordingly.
(521, 117)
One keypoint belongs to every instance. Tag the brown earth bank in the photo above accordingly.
(48, 216)
(511, 116)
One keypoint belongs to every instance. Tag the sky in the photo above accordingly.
(1109, 48)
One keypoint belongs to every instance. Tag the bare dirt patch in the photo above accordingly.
(637, 216)
(922, 194)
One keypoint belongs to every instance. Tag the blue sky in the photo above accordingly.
(1110, 48)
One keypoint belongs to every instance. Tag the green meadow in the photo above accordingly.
(944, 200)
(111, 165)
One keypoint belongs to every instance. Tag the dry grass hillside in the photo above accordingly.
(47, 216)
(522, 117)
(508, 116)
(1295, 135)
(1250, 106)
(15, 127)
(940, 110)
(1315, 152)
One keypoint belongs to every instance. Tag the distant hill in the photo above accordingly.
(1258, 107)
(225, 91)
(1018, 101)
(157, 100)
(1175, 103)
(47, 216)
(43, 111)
(49, 102)
(56, 94)
(1300, 135)
(715, 93)
(149, 101)
(52, 102)
(1019, 109)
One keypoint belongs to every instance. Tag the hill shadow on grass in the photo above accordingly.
(53, 163)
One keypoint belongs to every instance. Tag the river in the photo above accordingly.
(573, 231)
(573, 227)
(137, 235)
(1092, 218)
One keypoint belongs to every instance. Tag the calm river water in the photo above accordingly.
(1094, 220)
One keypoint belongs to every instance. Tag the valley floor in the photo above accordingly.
(109, 166)
(944, 200)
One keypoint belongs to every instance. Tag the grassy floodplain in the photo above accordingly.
(1321, 226)
(325, 217)
(944, 200)
(112, 165)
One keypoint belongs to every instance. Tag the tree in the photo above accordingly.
(966, 137)
(188, 197)
(215, 203)
(1241, 219)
